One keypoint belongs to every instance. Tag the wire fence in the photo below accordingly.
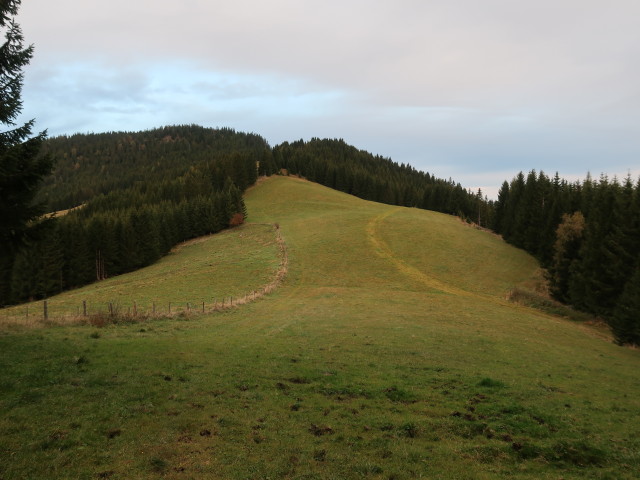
(102, 313)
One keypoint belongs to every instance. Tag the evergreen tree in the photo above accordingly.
(556, 206)
(589, 286)
(50, 279)
(21, 168)
(514, 211)
(620, 247)
(79, 266)
(565, 252)
(625, 321)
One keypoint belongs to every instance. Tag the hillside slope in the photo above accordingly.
(388, 352)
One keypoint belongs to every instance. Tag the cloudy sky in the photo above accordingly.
(475, 90)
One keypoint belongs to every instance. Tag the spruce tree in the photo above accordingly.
(625, 323)
(513, 211)
(589, 284)
(565, 251)
(21, 166)
(50, 279)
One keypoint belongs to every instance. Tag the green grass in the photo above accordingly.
(389, 351)
(209, 269)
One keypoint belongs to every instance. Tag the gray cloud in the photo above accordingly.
(465, 87)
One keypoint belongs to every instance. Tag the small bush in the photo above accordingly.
(236, 220)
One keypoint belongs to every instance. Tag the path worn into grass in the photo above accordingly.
(383, 250)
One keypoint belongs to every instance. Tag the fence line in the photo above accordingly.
(110, 312)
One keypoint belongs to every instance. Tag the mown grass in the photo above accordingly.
(375, 359)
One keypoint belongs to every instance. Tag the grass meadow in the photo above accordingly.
(212, 270)
(389, 351)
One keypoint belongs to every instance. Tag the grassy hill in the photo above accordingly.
(388, 352)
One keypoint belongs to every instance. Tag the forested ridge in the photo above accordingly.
(142, 193)
(340, 166)
(88, 165)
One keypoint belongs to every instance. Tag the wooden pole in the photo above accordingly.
(46, 313)
(84, 308)
(202, 307)
(135, 309)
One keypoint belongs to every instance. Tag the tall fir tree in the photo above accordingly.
(21, 167)
(565, 251)
(625, 322)
(500, 219)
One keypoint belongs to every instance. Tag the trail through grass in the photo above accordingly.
(388, 352)
(413, 274)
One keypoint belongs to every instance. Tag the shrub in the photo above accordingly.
(236, 220)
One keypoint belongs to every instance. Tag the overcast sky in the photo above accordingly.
(475, 90)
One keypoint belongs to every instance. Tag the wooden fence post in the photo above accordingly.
(84, 308)
(202, 307)
(46, 313)
(111, 309)
(154, 308)
(169, 307)
(135, 309)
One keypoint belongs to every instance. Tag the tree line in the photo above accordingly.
(88, 165)
(160, 202)
(587, 236)
(340, 166)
